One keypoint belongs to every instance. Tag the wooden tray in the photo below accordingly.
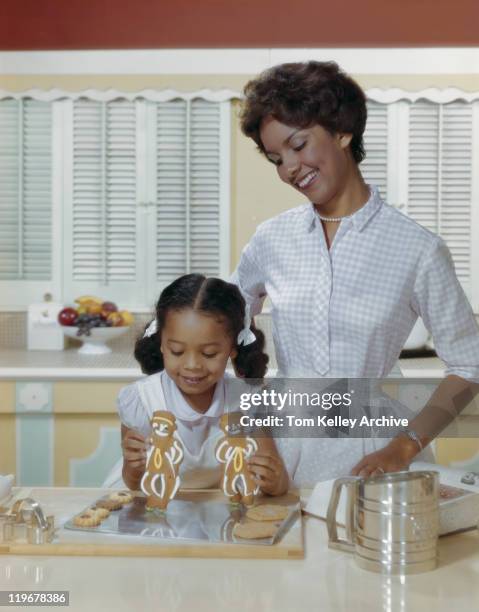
(80, 543)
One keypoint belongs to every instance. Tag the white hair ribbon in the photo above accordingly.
(151, 329)
(246, 335)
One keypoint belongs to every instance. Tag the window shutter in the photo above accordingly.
(103, 223)
(456, 186)
(172, 190)
(205, 187)
(188, 188)
(423, 167)
(25, 190)
(375, 165)
(440, 176)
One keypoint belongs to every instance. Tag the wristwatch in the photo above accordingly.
(412, 435)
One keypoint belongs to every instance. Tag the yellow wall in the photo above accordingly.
(86, 397)
(7, 444)
(450, 450)
(7, 428)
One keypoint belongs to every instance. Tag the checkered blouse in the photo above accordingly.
(347, 311)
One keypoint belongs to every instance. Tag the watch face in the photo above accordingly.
(412, 435)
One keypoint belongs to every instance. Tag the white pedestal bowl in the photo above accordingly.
(95, 344)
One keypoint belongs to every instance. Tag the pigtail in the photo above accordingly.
(148, 354)
(251, 360)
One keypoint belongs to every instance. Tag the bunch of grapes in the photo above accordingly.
(86, 322)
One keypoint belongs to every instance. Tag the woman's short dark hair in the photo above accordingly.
(210, 296)
(304, 94)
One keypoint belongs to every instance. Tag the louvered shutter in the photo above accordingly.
(188, 188)
(374, 167)
(103, 211)
(423, 165)
(172, 210)
(440, 176)
(456, 186)
(25, 191)
(205, 187)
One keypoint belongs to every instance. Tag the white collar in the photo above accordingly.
(359, 218)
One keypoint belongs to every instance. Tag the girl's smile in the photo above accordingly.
(193, 380)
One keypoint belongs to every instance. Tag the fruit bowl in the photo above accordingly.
(95, 343)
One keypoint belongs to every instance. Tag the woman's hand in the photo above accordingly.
(269, 472)
(394, 457)
(133, 447)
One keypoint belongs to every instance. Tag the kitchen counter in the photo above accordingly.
(325, 579)
(67, 365)
(120, 364)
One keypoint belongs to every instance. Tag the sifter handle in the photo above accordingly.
(335, 542)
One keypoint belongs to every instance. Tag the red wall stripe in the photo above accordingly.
(123, 24)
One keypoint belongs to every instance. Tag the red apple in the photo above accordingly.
(67, 316)
(108, 307)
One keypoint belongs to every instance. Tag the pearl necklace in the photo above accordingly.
(333, 218)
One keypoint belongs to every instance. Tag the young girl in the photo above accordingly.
(200, 323)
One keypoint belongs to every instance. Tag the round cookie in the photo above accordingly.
(122, 496)
(254, 530)
(268, 512)
(109, 504)
(102, 513)
(87, 519)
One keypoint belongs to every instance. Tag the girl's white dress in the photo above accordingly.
(199, 432)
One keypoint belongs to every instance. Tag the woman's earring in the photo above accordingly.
(345, 140)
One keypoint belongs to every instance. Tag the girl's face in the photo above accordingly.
(311, 160)
(195, 350)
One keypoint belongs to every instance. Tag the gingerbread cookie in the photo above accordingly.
(124, 497)
(255, 531)
(87, 519)
(268, 512)
(232, 450)
(161, 480)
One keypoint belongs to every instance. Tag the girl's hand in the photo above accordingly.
(394, 457)
(134, 447)
(268, 472)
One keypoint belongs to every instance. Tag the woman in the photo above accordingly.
(347, 275)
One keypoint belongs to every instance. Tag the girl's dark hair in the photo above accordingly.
(211, 296)
(304, 94)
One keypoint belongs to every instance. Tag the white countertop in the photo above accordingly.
(325, 580)
(67, 364)
(121, 365)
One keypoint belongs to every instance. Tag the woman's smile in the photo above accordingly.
(312, 160)
(306, 181)
(317, 163)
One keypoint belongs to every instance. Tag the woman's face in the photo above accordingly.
(311, 160)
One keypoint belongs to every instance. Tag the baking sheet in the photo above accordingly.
(199, 518)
